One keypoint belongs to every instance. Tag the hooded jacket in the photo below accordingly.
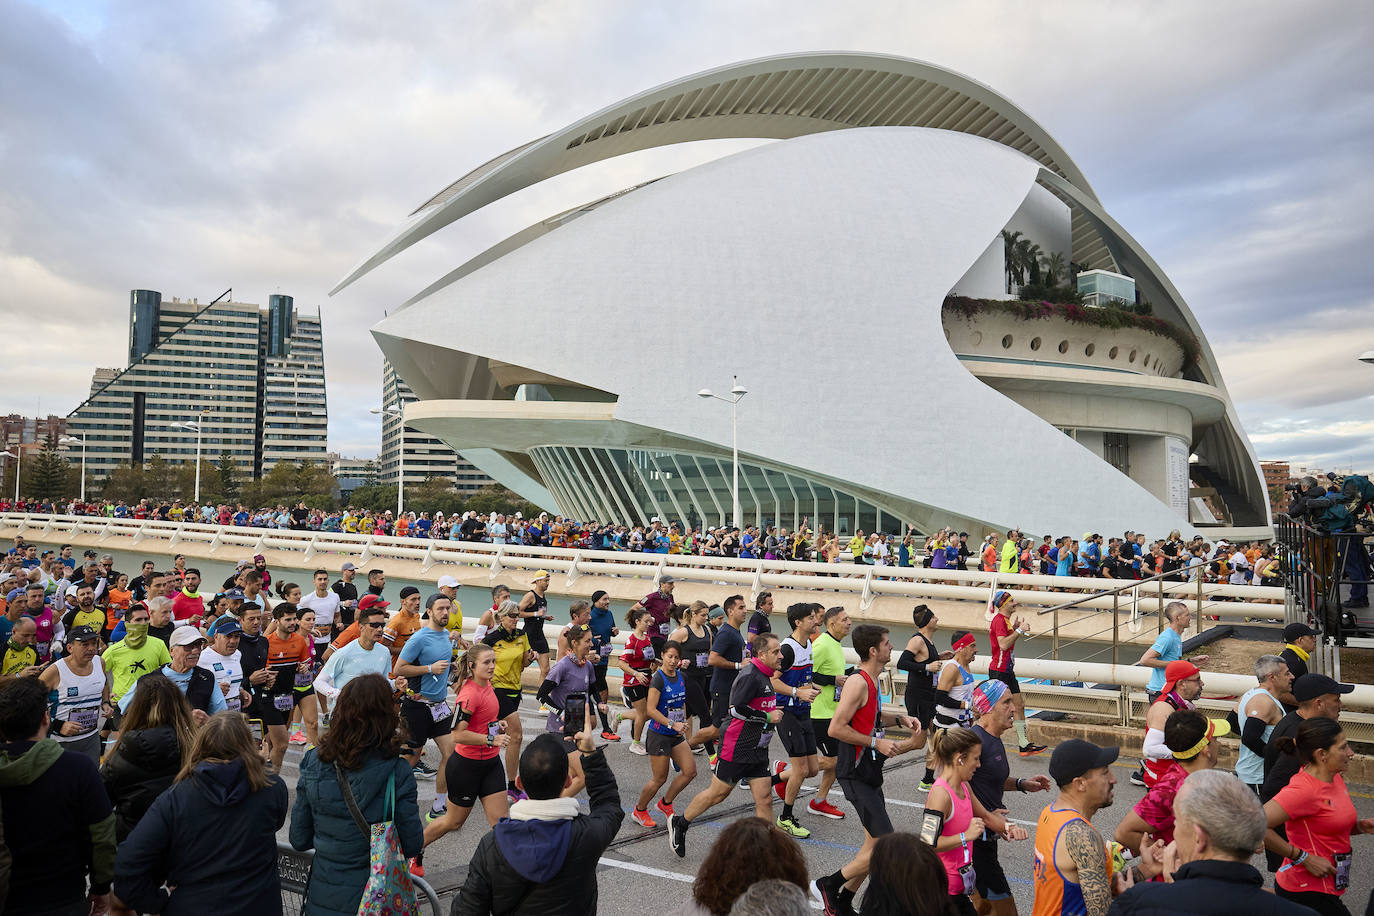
(59, 823)
(213, 839)
(542, 859)
(320, 819)
(142, 767)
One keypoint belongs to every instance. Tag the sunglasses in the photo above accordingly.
(376, 626)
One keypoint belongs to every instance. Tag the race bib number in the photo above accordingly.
(42, 648)
(605, 650)
(665, 628)
(283, 702)
(677, 714)
(969, 876)
(304, 679)
(439, 711)
(837, 693)
(86, 718)
(233, 703)
(703, 659)
(493, 729)
(1342, 862)
(648, 653)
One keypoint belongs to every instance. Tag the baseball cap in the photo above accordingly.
(82, 634)
(408, 591)
(371, 601)
(447, 582)
(1310, 686)
(1175, 672)
(225, 626)
(1297, 631)
(185, 635)
(346, 567)
(1193, 739)
(664, 580)
(542, 574)
(234, 594)
(1075, 757)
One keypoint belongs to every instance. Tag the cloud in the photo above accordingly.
(269, 146)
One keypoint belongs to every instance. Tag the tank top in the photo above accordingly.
(43, 638)
(945, 717)
(696, 650)
(1249, 765)
(799, 675)
(961, 812)
(1055, 894)
(1157, 767)
(672, 701)
(922, 683)
(78, 698)
(541, 604)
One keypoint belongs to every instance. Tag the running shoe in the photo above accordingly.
(780, 787)
(699, 749)
(424, 771)
(610, 736)
(615, 717)
(431, 816)
(677, 835)
(829, 894)
(416, 867)
(712, 760)
(823, 808)
(297, 736)
(515, 795)
(925, 785)
(638, 748)
(643, 818)
(1030, 750)
(1138, 778)
(790, 826)
(665, 807)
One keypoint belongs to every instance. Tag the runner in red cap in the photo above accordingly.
(1182, 686)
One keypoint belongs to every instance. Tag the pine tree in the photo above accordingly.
(50, 472)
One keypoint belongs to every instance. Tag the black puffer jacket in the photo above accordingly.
(142, 768)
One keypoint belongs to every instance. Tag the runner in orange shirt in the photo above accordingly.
(287, 653)
(405, 622)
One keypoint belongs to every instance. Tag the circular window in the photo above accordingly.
(1089, 350)
(977, 338)
(1131, 358)
(1063, 346)
(1006, 342)
(1111, 354)
(1148, 361)
(1035, 343)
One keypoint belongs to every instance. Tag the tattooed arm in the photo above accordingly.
(1084, 848)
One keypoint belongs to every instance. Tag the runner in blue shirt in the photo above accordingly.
(424, 661)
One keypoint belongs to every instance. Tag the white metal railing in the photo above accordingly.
(1216, 599)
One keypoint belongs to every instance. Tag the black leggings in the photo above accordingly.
(1325, 904)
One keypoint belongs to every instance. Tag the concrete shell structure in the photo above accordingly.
(565, 361)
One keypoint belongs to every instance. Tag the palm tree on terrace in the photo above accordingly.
(1052, 268)
(1010, 257)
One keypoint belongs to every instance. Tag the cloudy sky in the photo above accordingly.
(269, 146)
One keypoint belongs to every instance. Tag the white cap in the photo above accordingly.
(448, 582)
(186, 634)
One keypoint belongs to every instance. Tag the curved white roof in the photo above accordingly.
(776, 97)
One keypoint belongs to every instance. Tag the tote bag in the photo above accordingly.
(389, 890)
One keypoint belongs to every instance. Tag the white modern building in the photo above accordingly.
(425, 456)
(251, 378)
(853, 275)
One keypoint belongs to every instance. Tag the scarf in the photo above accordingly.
(136, 634)
(544, 809)
(1298, 652)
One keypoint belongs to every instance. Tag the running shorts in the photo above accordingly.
(1007, 677)
(660, 745)
(797, 734)
(635, 692)
(729, 772)
(303, 692)
(535, 634)
(921, 707)
(826, 746)
(469, 780)
(991, 881)
(265, 708)
(697, 704)
(420, 723)
(507, 702)
(720, 709)
(869, 804)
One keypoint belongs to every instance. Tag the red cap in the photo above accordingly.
(371, 601)
(1175, 672)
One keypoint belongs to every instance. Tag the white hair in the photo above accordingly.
(1226, 808)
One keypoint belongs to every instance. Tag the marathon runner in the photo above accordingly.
(81, 695)
(793, 684)
(513, 653)
(726, 658)
(744, 746)
(1182, 685)
(1004, 633)
(991, 701)
(667, 705)
(500, 594)
(759, 621)
(135, 655)
(659, 604)
(287, 654)
(637, 662)
(573, 675)
(534, 610)
(953, 690)
(602, 624)
(1259, 709)
(20, 655)
(858, 727)
(922, 662)
(694, 639)
(223, 660)
(828, 674)
(304, 727)
(1191, 737)
(364, 655)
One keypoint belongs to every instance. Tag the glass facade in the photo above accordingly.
(1102, 286)
(144, 306)
(635, 485)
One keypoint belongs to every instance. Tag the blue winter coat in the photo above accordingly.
(320, 819)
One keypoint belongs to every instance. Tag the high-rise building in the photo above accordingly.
(425, 456)
(252, 379)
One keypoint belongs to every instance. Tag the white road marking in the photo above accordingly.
(648, 870)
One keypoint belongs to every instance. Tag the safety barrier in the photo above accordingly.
(293, 867)
(1215, 599)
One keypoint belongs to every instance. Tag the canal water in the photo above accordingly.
(475, 600)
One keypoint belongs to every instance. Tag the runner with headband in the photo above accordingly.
(1005, 631)
(922, 662)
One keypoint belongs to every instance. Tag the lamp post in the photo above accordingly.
(18, 456)
(401, 458)
(737, 393)
(194, 427)
(77, 440)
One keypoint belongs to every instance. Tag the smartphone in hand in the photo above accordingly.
(574, 714)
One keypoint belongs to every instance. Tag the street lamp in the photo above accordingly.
(77, 440)
(737, 393)
(194, 427)
(401, 460)
(18, 468)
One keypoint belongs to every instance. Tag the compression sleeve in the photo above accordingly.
(825, 680)
(1154, 746)
(1253, 735)
(545, 693)
(944, 698)
(479, 633)
(324, 681)
(907, 662)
